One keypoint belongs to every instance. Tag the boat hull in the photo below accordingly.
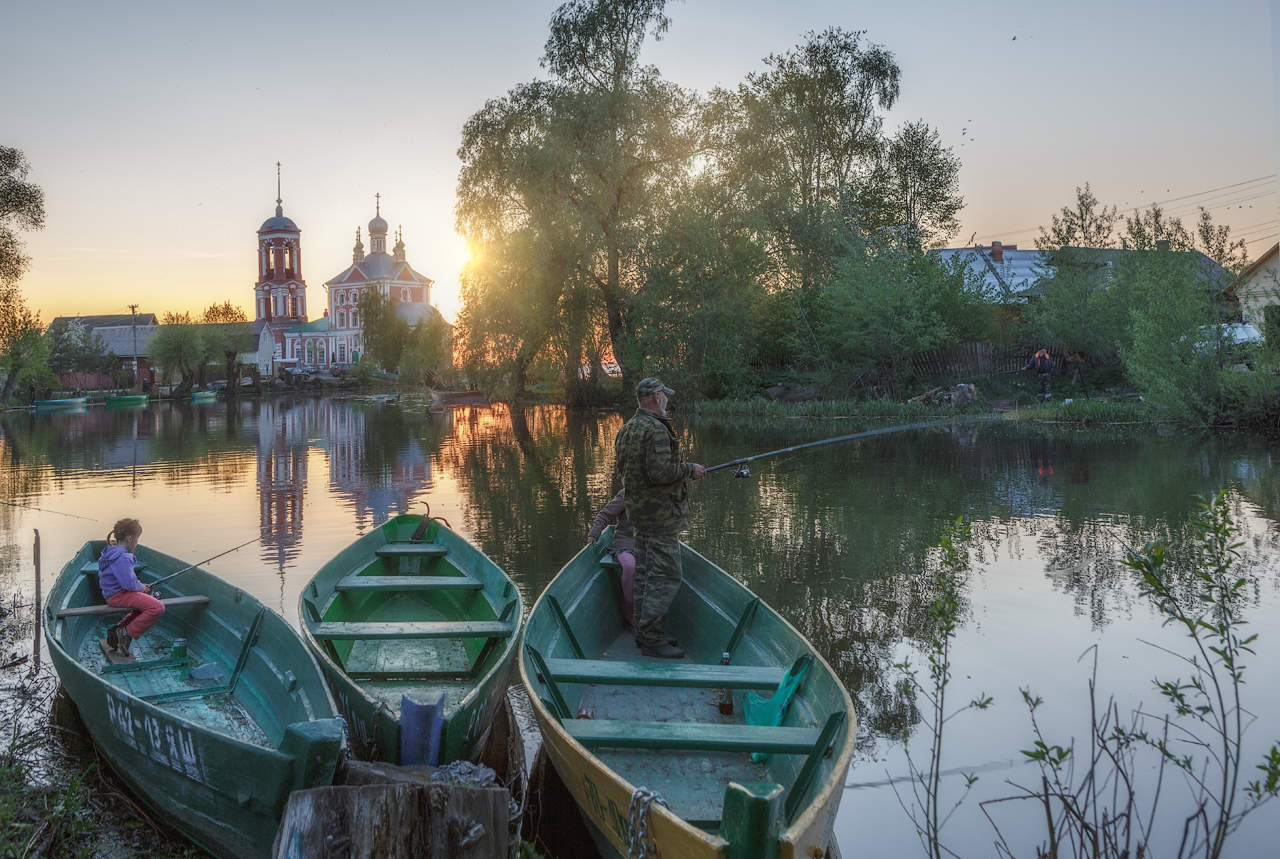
(207, 779)
(373, 701)
(603, 780)
(128, 401)
(61, 405)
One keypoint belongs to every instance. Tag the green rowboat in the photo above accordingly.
(60, 405)
(203, 396)
(124, 401)
(220, 717)
(416, 631)
(764, 780)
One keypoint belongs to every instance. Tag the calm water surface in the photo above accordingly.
(836, 538)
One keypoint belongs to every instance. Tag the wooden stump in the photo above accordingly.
(410, 818)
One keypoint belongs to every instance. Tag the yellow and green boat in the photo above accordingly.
(416, 631)
(219, 717)
(738, 750)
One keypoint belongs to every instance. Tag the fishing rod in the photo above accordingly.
(743, 471)
(161, 581)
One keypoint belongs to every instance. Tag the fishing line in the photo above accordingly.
(744, 472)
(54, 512)
(205, 561)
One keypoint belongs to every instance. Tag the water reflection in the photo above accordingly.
(839, 539)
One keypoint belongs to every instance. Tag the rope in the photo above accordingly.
(639, 844)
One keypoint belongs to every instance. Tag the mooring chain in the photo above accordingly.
(640, 845)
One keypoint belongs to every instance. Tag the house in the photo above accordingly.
(1008, 273)
(119, 332)
(1258, 287)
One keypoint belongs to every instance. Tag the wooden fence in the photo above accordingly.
(965, 362)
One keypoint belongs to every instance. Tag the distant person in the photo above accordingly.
(624, 546)
(121, 588)
(655, 479)
(1043, 365)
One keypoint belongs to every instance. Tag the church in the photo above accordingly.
(335, 339)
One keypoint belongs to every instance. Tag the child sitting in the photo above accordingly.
(624, 545)
(121, 588)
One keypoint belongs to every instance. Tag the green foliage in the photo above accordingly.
(224, 312)
(914, 188)
(180, 350)
(384, 331)
(73, 348)
(1087, 224)
(21, 207)
(23, 351)
(1271, 325)
(428, 351)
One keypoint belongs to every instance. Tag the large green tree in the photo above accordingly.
(22, 345)
(383, 330)
(180, 350)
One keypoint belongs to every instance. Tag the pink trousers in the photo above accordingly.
(628, 562)
(144, 611)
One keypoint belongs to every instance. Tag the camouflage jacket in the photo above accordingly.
(654, 476)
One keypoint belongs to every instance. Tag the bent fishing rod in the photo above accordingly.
(161, 581)
(743, 471)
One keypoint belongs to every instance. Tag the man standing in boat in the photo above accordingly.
(655, 480)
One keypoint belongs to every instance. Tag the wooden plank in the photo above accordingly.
(396, 821)
(623, 734)
(92, 567)
(349, 631)
(607, 672)
(408, 583)
(196, 599)
(414, 550)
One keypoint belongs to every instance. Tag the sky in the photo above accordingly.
(154, 128)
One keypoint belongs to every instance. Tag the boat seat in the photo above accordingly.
(697, 736)
(610, 560)
(198, 599)
(353, 630)
(611, 673)
(412, 550)
(408, 583)
(92, 567)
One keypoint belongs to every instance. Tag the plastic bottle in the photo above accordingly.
(725, 703)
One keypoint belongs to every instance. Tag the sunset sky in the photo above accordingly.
(154, 128)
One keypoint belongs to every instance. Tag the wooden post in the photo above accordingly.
(35, 644)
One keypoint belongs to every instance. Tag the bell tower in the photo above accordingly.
(280, 294)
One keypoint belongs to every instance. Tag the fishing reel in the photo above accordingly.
(742, 471)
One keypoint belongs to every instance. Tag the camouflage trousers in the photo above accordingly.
(657, 581)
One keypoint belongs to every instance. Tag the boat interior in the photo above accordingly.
(417, 615)
(203, 660)
(658, 723)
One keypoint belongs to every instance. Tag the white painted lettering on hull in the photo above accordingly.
(161, 741)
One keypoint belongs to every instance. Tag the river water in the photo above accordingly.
(839, 539)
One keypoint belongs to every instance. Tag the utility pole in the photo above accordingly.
(133, 326)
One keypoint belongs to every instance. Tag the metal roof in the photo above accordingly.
(119, 339)
(380, 266)
(1015, 275)
(92, 322)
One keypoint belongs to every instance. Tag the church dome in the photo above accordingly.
(377, 227)
(279, 222)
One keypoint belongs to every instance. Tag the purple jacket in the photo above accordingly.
(115, 571)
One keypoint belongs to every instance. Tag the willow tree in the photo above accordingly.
(21, 207)
(582, 162)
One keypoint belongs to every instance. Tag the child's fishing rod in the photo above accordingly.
(742, 463)
(161, 581)
(43, 510)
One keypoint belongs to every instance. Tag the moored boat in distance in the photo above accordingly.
(739, 773)
(416, 631)
(221, 714)
(203, 396)
(60, 405)
(127, 400)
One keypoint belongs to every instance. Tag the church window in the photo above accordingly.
(342, 352)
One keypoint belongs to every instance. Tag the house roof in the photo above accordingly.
(1016, 273)
(1215, 277)
(1273, 251)
(315, 326)
(120, 338)
(105, 319)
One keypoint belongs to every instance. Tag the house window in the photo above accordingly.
(342, 352)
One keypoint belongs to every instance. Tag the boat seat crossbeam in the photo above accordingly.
(809, 771)
(691, 736)
(374, 630)
(412, 550)
(563, 621)
(610, 673)
(171, 602)
(408, 583)
(92, 567)
(744, 622)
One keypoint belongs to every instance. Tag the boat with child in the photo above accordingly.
(218, 714)
(416, 631)
(738, 749)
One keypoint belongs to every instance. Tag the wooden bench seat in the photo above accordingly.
(198, 599)
(408, 583)
(353, 630)
(624, 734)
(412, 550)
(610, 673)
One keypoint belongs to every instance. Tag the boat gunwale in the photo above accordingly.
(51, 620)
(822, 794)
(326, 662)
